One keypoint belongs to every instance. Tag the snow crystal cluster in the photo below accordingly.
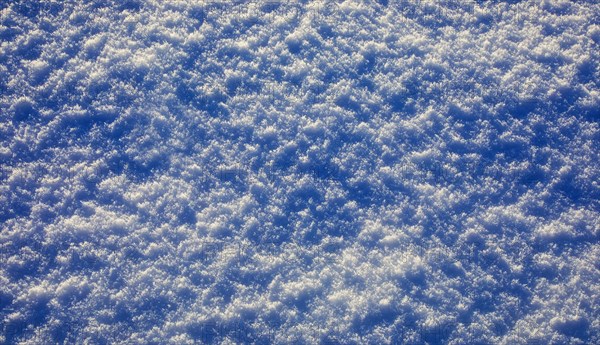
(300, 172)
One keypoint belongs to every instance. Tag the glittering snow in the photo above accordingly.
(300, 172)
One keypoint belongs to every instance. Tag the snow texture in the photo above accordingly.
(300, 172)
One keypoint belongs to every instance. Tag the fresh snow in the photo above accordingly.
(300, 172)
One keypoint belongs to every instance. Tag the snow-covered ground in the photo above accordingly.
(300, 172)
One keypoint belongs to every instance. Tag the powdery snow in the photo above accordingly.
(356, 172)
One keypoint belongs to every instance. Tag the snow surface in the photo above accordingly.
(356, 172)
